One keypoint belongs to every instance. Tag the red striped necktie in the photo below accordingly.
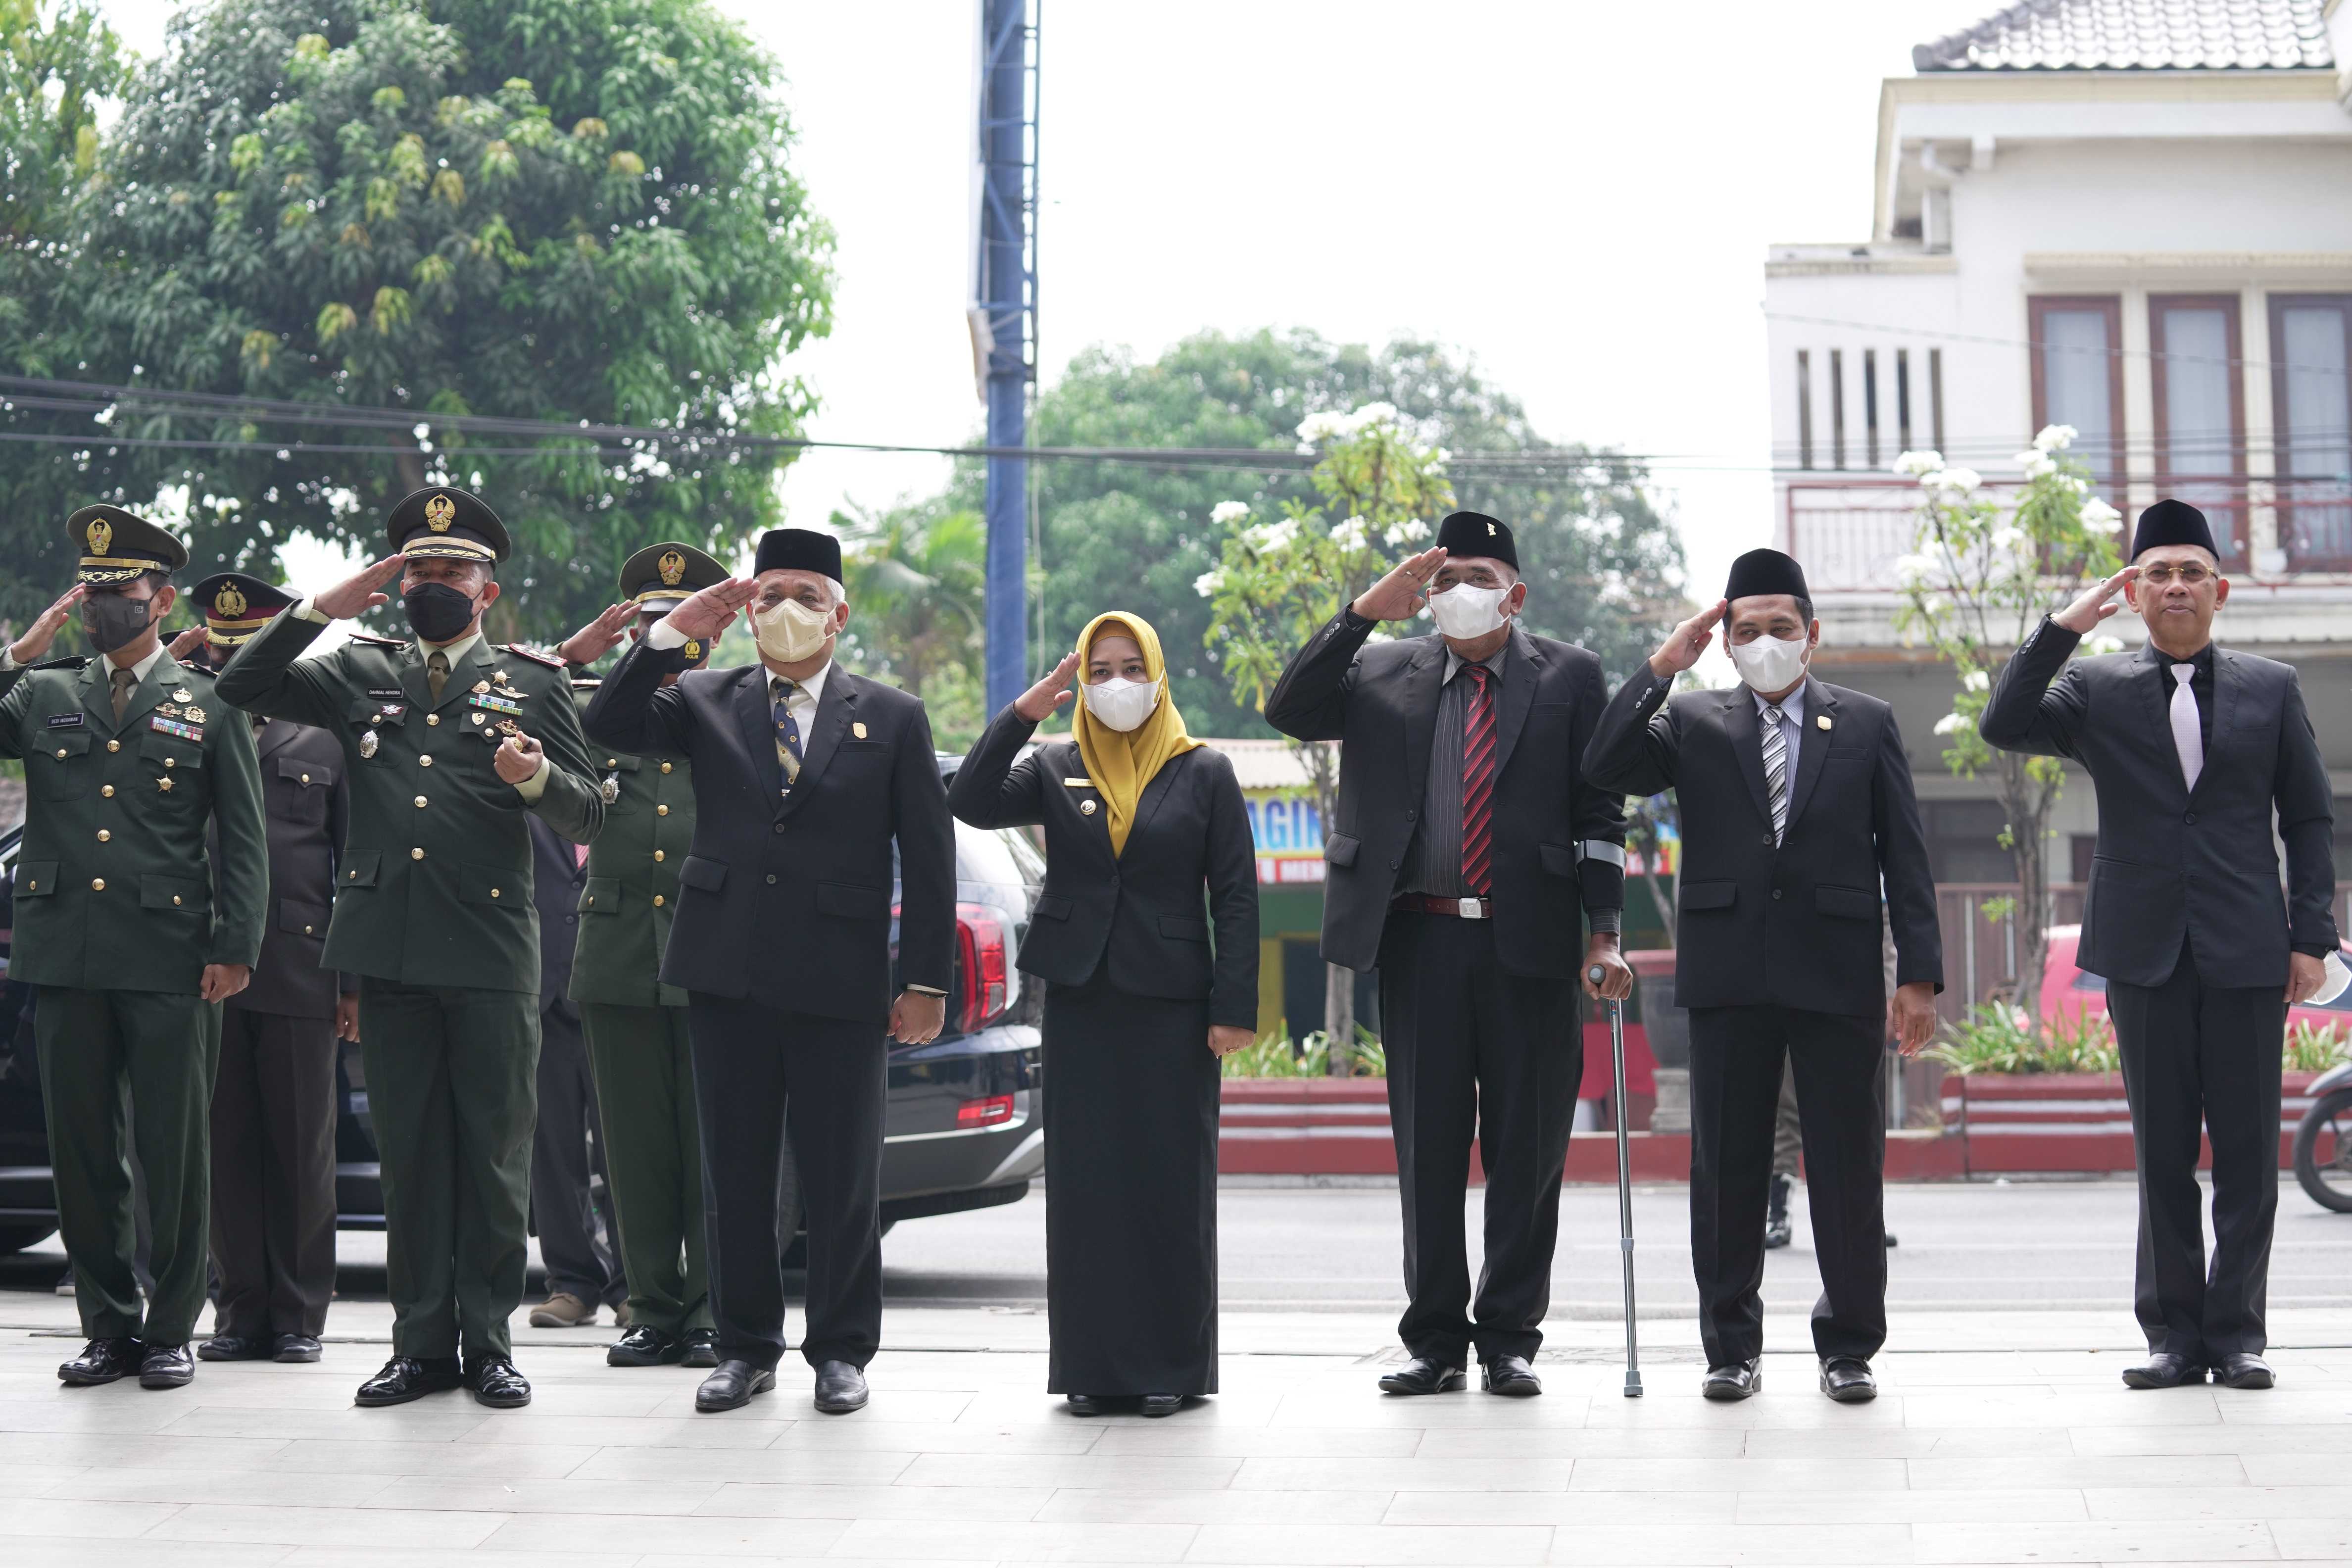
(1478, 782)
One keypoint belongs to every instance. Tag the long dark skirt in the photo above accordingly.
(1131, 1191)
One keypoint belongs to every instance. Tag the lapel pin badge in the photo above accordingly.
(1822, 719)
(1085, 808)
(859, 730)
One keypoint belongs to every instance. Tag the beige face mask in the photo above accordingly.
(792, 632)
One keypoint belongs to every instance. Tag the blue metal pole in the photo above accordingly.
(1004, 269)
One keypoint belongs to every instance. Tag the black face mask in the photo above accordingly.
(437, 612)
(111, 620)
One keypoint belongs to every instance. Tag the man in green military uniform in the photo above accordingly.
(448, 741)
(131, 932)
(637, 1046)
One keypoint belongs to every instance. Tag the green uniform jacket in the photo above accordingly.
(631, 891)
(115, 890)
(434, 883)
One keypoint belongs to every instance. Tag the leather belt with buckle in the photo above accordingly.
(1462, 909)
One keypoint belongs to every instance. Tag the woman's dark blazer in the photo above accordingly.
(1190, 830)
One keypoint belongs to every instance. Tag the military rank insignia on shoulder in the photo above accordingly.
(70, 661)
(371, 640)
(548, 659)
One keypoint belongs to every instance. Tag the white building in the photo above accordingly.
(2132, 216)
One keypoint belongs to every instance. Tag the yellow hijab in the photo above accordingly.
(1122, 764)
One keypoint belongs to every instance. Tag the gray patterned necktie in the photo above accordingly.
(1776, 771)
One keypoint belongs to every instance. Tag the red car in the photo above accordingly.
(2068, 992)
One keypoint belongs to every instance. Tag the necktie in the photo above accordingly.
(436, 672)
(1478, 782)
(2185, 737)
(788, 733)
(126, 681)
(1776, 771)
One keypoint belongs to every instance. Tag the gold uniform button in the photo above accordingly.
(106, 790)
(97, 884)
(665, 767)
(103, 836)
(661, 811)
(417, 853)
(306, 931)
(612, 762)
(170, 761)
(424, 761)
(306, 778)
(61, 753)
(175, 901)
(432, 718)
(420, 802)
(111, 745)
(657, 856)
(659, 900)
(494, 892)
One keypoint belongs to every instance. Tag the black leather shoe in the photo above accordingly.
(1848, 1379)
(294, 1348)
(642, 1344)
(840, 1387)
(102, 1360)
(1509, 1374)
(732, 1386)
(1159, 1405)
(407, 1377)
(702, 1347)
(235, 1347)
(2243, 1369)
(1776, 1216)
(166, 1366)
(1424, 1375)
(1086, 1403)
(1738, 1379)
(2164, 1370)
(498, 1384)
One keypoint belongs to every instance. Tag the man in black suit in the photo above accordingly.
(804, 776)
(1466, 852)
(273, 1111)
(1796, 812)
(2192, 749)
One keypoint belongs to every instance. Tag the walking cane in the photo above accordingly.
(1624, 1181)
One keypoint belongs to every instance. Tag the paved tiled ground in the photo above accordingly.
(2001, 1438)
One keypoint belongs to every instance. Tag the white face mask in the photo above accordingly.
(792, 632)
(1466, 612)
(1122, 704)
(1772, 664)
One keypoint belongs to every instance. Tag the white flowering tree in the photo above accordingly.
(1280, 579)
(1981, 572)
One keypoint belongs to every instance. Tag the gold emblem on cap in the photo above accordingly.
(672, 566)
(1822, 719)
(1490, 531)
(101, 536)
(228, 603)
(439, 514)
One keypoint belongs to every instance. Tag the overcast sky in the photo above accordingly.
(1577, 193)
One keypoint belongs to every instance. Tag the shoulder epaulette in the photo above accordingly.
(373, 641)
(586, 682)
(551, 660)
(72, 661)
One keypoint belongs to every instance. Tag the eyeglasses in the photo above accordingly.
(2189, 575)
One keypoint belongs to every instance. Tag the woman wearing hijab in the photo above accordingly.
(1146, 934)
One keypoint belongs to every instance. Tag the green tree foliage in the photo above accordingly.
(57, 62)
(1602, 564)
(573, 210)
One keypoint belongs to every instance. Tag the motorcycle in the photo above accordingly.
(2323, 1144)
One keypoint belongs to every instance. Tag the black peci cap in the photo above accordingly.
(1474, 533)
(117, 546)
(799, 550)
(2170, 522)
(1765, 572)
(441, 521)
(236, 605)
(661, 576)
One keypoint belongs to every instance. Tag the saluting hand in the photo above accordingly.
(1399, 594)
(188, 641)
(44, 631)
(357, 595)
(2096, 604)
(707, 613)
(518, 758)
(1037, 703)
(1687, 642)
(598, 637)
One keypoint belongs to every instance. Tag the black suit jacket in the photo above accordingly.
(305, 803)
(787, 902)
(2172, 861)
(557, 876)
(1559, 841)
(1142, 906)
(1796, 925)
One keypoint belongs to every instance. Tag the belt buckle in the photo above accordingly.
(1470, 909)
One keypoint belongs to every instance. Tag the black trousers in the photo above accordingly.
(572, 1240)
(2202, 1058)
(1736, 1063)
(760, 1075)
(273, 1200)
(1131, 1191)
(1475, 1051)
